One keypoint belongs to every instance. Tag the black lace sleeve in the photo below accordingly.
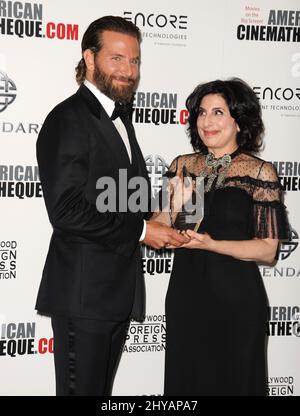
(270, 217)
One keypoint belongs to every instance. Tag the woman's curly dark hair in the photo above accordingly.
(243, 105)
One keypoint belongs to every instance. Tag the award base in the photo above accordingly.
(182, 224)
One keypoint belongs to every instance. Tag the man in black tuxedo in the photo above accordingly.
(92, 281)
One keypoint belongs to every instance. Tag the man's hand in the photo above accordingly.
(159, 235)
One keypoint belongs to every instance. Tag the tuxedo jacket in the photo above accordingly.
(93, 267)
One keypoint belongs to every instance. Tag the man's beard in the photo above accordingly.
(104, 83)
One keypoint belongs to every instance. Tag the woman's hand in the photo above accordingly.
(202, 241)
(260, 250)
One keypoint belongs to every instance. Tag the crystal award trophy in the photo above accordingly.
(190, 213)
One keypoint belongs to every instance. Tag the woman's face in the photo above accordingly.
(215, 125)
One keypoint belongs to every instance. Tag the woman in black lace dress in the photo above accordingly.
(216, 305)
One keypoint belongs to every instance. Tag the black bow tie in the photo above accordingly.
(121, 110)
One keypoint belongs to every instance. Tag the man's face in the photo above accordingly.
(116, 66)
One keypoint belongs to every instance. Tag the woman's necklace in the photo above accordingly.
(216, 168)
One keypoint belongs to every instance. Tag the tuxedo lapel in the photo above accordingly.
(114, 141)
(138, 161)
(137, 156)
(106, 127)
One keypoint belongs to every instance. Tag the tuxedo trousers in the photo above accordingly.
(86, 355)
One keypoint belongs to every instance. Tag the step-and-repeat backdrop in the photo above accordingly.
(184, 43)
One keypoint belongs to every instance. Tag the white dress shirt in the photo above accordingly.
(108, 104)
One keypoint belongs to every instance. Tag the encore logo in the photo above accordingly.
(157, 20)
(8, 91)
